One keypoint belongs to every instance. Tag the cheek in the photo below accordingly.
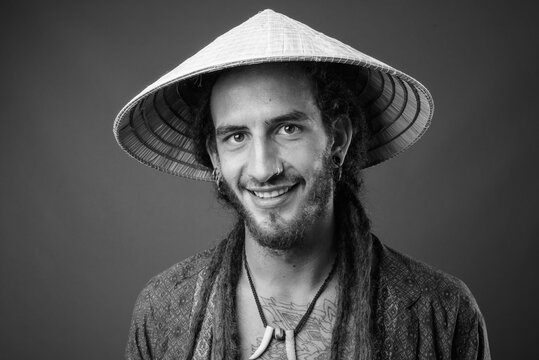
(231, 168)
(309, 157)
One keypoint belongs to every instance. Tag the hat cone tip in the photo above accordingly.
(267, 11)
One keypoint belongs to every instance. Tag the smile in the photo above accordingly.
(271, 194)
(270, 197)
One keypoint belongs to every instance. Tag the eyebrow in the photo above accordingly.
(227, 129)
(291, 116)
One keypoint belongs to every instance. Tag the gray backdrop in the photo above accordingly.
(83, 227)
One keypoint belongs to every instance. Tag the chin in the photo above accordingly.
(277, 238)
(275, 233)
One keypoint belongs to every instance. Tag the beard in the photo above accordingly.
(279, 234)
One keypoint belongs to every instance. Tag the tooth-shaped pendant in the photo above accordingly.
(264, 344)
(290, 343)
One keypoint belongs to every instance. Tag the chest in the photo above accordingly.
(313, 340)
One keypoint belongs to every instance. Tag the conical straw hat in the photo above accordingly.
(156, 126)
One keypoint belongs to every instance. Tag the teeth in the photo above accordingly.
(271, 194)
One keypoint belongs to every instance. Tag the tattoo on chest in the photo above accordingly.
(314, 340)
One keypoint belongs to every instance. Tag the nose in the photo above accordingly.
(264, 161)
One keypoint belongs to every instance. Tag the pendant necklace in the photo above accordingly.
(289, 336)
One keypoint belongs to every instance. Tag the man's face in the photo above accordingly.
(266, 121)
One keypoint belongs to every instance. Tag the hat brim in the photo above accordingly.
(156, 126)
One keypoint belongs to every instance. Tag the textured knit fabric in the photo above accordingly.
(419, 313)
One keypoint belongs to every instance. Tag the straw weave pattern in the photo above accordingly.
(155, 126)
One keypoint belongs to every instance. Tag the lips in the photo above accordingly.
(271, 196)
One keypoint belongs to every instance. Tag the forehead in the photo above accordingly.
(261, 91)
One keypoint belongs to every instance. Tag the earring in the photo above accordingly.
(338, 166)
(279, 171)
(217, 177)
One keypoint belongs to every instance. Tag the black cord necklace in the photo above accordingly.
(278, 333)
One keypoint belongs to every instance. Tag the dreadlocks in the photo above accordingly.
(336, 96)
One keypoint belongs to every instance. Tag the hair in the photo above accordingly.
(335, 91)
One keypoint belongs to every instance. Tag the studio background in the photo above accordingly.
(83, 226)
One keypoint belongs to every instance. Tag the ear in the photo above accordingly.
(342, 136)
(211, 148)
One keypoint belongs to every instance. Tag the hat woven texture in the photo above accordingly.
(155, 127)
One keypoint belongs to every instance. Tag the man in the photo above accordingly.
(283, 119)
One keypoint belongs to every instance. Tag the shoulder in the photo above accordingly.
(181, 272)
(415, 283)
(415, 277)
(176, 281)
(434, 308)
(163, 310)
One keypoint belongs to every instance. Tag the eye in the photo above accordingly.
(289, 129)
(236, 138)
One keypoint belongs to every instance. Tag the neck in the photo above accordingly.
(297, 273)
